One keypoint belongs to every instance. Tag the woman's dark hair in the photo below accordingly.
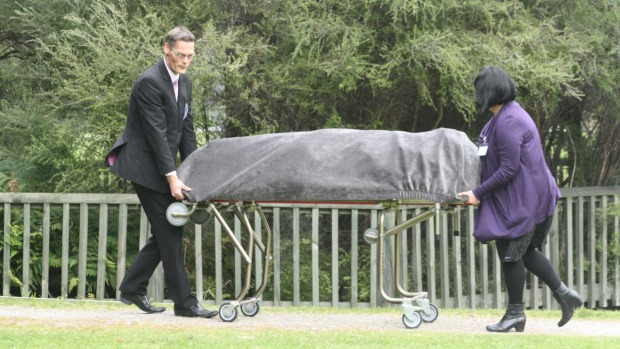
(493, 87)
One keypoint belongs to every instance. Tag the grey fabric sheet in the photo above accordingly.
(334, 165)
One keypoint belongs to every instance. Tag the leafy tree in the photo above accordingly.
(91, 65)
(582, 132)
(290, 66)
(67, 67)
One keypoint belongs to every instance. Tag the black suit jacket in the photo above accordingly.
(157, 129)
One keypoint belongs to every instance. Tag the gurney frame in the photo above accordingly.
(178, 214)
(415, 305)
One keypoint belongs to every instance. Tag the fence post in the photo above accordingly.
(580, 248)
(458, 261)
(616, 295)
(603, 253)
(335, 287)
(45, 261)
(404, 275)
(198, 261)
(471, 257)
(276, 257)
(296, 261)
(102, 251)
(354, 254)
(64, 273)
(416, 255)
(258, 254)
(6, 260)
(373, 264)
(431, 277)
(218, 262)
(122, 247)
(444, 258)
(315, 256)
(83, 251)
(568, 219)
(26, 253)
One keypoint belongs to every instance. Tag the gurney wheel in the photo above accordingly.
(250, 309)
(432, 315)
(174, 208)
(415, 322)
(200, 217)
(228, 313)
(371, 235)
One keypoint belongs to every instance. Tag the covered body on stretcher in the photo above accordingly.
(335, 166)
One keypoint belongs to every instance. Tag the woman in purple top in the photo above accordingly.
(517, 197)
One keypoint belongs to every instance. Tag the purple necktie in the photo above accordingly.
(175, 84)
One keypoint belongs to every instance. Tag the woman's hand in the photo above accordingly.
(471, 198)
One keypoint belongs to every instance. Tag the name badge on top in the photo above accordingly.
(482, 149)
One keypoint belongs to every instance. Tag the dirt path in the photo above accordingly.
(267, 318)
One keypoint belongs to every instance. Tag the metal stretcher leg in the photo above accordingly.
(416, 306)
(249, 305)
(178, 214)
(428, 311)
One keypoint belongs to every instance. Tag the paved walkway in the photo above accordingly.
(84, 317)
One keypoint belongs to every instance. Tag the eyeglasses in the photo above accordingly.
(183, 56)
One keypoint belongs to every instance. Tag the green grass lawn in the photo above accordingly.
(115, 337)
(14, 334)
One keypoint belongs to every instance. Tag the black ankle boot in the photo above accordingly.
(569, 301)
(513, 318)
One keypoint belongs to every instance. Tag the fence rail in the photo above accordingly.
(79, 245)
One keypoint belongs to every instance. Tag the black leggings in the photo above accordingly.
(532, 260)
(535, 262)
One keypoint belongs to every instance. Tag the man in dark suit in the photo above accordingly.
(159, 125)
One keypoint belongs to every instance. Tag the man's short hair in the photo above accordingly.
(179, 33)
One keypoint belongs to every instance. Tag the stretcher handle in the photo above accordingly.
(413, 221)
(185, 214)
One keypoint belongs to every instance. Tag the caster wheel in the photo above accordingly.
(200, 217)
(174, 208)
(431, 315)
(414, 322)
(228, 313)
(250, 309)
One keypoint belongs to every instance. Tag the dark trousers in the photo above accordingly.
(165, 245)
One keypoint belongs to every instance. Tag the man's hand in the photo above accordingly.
(176, 187)
(471, 198)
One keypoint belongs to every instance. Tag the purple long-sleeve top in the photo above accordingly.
(517, 190)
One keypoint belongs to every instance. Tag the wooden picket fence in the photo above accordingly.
(438, 256)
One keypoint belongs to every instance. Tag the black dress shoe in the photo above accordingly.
(142, 302)
(195, 311)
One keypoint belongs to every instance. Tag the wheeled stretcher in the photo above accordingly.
(388, 168)
(199, 213)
